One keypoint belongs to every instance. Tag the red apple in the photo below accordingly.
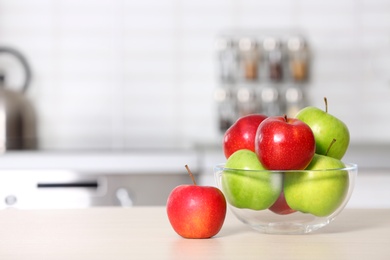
(280, 206)
(196, 211)
(284, 143)
(242, 134)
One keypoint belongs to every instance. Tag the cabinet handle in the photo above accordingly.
(92, 184)
(124, 197)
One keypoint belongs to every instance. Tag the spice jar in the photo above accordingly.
(294, 100)
(249, 58)
(273, 49)
(228, 59)
(269, 99)
(298, 58)
(226, 107)
(246, 100)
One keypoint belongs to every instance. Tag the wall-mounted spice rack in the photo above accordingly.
(260, 73)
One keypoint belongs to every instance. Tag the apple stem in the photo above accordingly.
(326, 104)
(191, 175)
(331, 144)
(285, 117)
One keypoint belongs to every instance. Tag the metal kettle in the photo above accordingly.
(18, 125)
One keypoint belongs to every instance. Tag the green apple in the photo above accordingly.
(317, 191)
(245, 186)
(326, 128)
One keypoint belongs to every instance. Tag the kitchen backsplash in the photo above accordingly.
(122, 74)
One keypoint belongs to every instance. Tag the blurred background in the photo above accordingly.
(132, 76)
(124, 74)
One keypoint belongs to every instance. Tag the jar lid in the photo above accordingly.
(296, 43)
(271, 43)
(247, 44)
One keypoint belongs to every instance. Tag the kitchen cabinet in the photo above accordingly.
(66, 189)
(45, 179)
(77, 180)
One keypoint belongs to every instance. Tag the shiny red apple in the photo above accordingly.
(284, 143)
(281, 207)
(196, 211)
(242, 134)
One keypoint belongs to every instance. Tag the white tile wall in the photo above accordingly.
(119, 74)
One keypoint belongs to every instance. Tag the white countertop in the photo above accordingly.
(161, 160)
(371, 190)
(145, 233)
(107, 162)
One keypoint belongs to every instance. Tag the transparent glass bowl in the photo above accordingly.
(316, 196)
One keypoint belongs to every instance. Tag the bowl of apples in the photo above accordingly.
(286, 175)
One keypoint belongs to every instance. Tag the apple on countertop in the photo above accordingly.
(196, 211)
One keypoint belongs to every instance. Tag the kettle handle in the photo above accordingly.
(24, 63)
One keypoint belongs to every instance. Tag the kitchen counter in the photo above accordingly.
(106, 162)
(148, 175)
(145, 233)
(199, 157)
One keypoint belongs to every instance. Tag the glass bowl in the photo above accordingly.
(265, 199)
